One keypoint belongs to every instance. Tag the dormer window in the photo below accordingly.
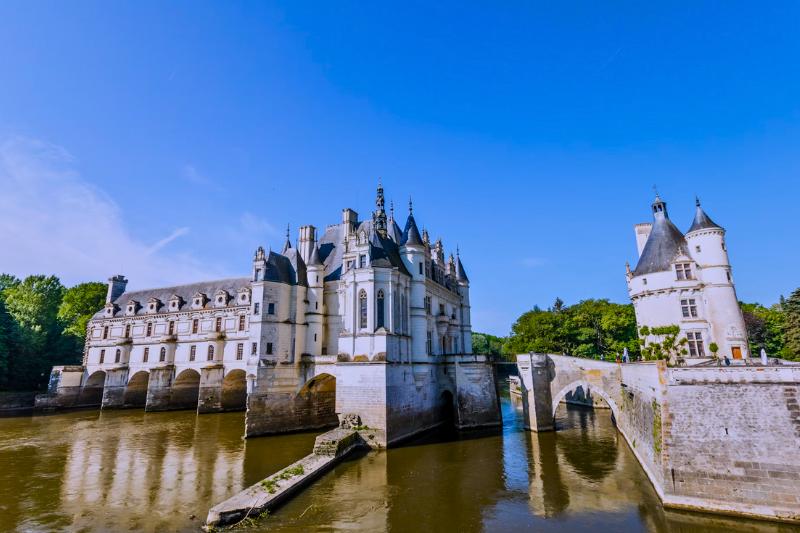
(199, 300)
(132, 307)
(683, 271)
(175, 302)
(221, 298)
(243, 296)
(110, 309)
(153, 305)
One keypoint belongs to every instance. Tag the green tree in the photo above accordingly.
(33, 305)
(78, 305)
(485, 344)
(663, 342)
(765, 328)
(791, 325)
(7, 345)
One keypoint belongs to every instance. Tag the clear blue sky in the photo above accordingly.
(167, 139)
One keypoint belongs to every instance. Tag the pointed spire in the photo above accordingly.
(461, 274)
(410, 206)
(701, 219)
(288, 245)
(379, 216)
(411, 234)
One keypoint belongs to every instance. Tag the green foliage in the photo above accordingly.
(765, 328)
(79, 304)
(34, 335)
(485, 344)
(663, 342)
(590, 328)
(271, 483)
(791, 326)
(713, 348)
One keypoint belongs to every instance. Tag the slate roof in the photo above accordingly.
(663, 245)
(331, 249)
(383, 251)
(461, 274)
(394, 231)
(411, 232)
(186, 292)
(702, 220)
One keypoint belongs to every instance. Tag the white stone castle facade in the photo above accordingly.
(363, 291)
(686, 280)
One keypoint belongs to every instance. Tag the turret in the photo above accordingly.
(316, 303)
(307, 241)
(706, 241)
(466, 313)
(288, 244)
(116, 286)
(259, 264)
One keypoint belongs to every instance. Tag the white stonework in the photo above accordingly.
(686, 280)
(363, 291)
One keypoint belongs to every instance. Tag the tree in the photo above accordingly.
(78, 305)
(662, 342)
(485, 344)
(764, 328)
(7, 344)
(791, 325)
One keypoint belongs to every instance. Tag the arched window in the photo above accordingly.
(380, 310)
(162, 355)
(210, 352)
(362, 297)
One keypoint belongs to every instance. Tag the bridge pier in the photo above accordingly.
(210, 394)
(159, 389)
(537, 400)
(114, 389)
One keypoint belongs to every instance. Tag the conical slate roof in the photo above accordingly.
(702, 220)
(461, 274)
(411, 233)
(314, 260)
(663, 244)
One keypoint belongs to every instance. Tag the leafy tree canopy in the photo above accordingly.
(79, 304)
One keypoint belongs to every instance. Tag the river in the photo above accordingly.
(136, 471)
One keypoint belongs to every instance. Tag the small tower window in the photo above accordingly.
(683, 271)
(241, 322)
(117, 355)
(127, 330)
(239, 351)
(380, 310)
(270, 308)
(256, 308)
(254, 348)
(728, 274)
(362, 298)
(192, 352)
(171, 327)
(149, 329)
(269, 348)
(162, 354)
(695, 339)
(210, 355)
(102, 356)
(689, 308)
(218, 324)
(697, 248)
(195, 325)
(146, 354)
(362, 261)
(105, 332)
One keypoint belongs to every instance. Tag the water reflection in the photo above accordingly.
(128, 470)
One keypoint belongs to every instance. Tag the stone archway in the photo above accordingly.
(316, 401)
(92, 390)
(560, 395)
(136, 390)
(185, 390)
(234, 391)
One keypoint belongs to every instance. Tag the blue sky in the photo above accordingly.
(167, 140)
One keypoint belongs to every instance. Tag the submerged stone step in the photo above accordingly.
(329, 449)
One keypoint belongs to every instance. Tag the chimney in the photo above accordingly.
(350, 219)
(308, 239)
(642, 233)
(116, 286)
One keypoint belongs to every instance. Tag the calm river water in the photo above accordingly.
(131, 471)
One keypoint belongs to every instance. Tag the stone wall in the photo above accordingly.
(16, 401)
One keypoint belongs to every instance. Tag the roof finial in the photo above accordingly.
(458, 251)
(655, 190)
(696, 200)
(410, 206)
(288, 232)
(391, 209)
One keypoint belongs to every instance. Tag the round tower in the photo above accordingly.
(414, 254)
(315, 313)
(706, 241)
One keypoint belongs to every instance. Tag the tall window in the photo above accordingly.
(241, 322)
(695, 344)
(420, 268)
(380, 310)
(105, 332)
(689, 308)
(429, 344)
(362, 305)
(218, 324)
(162, 354)
(127, 330)
(149, 329)
(117, 355)
(210, 355)
(102, 356)
(195, 325)
(362, 261)
(683, 271)
(254, 348)
(146, 355)
(239, 351)
(171, 327)
(270, 308)
(256, 308)
(192, 352)
(269, 348)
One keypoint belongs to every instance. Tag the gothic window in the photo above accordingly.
(689, 308)
(256, 308)
(380, 310)
(683, 271)
(362, 306)
(210, 355)
(146, 354)
(192, 352)
(239, 351)
(218, 324)
(127, 330)
(149, 329)
(241, 322)
(162, 354)
(195, 325)
(117, 355)
(102, 356)
(695, 339)
(171, 327)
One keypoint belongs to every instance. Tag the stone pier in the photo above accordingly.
(716, 439)
(210, 394)
(114, 390)
(159, 389)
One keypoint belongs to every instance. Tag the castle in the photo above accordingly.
(686, 280)
(365, 293)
